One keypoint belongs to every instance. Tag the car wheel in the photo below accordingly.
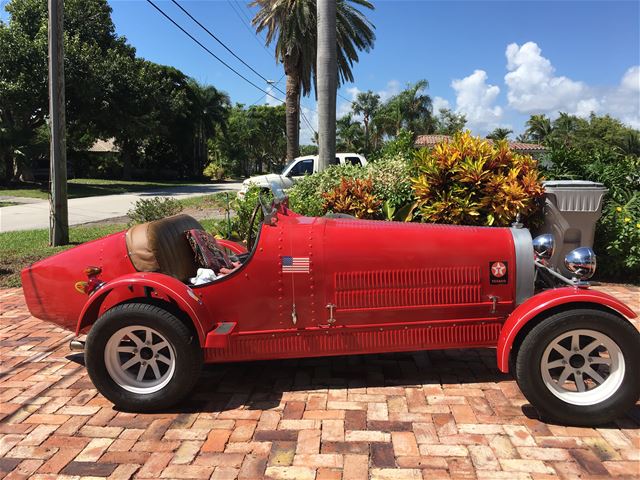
(580, 367)
(142, 357)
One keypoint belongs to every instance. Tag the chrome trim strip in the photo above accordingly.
(525, 268)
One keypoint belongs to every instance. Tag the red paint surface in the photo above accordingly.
(546, 300)
(391, 286)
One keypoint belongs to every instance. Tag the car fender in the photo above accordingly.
(545, 301)
(149, 285)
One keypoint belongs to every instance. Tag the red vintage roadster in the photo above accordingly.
(339, 286)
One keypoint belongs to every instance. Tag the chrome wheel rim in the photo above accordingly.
(582, 367)
(140, 359)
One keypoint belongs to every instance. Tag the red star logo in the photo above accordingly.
(498, 269)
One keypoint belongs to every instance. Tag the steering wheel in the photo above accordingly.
(259, 208)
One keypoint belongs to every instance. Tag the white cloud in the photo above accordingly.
(306, 131)
(270, 100)
(532, 86)
(631, 79)
(393, 88)
(475, 98)
(438, 103)
(623, 101)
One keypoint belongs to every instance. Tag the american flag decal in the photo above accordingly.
(295, 265)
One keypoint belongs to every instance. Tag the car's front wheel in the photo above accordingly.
(580, 367)
(142, 357)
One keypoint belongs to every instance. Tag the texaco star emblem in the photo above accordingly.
(498, 269)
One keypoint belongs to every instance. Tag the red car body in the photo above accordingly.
(328, 286)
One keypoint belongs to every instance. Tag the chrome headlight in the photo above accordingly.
(581, 262)
(543, 246)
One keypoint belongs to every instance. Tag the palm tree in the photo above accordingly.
(292, 25)
(410, 109)
(366, 104)
(538, 128)
(349, 133)
(209, 111)
(500, 134)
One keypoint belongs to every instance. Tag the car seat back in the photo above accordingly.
(161, 246)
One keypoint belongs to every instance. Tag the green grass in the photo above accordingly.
(215, 200)
(88, 187)
(19, 249)
(7, 204)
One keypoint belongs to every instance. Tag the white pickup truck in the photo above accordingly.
(296, 169)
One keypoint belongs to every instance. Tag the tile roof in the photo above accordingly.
(430, 140)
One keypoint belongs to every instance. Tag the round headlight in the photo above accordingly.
(581, 262)
(543, 246)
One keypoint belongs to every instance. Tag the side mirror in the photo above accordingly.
(543, 246)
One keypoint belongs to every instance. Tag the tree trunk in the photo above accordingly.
(292, 105)
(7, 161)
(327, 82)
(365, 120)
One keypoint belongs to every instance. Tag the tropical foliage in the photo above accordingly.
(292, 26)
(602, 149)
(160, 119)
(499, 133)
(354, 196)
(253, 141)
(469, 181)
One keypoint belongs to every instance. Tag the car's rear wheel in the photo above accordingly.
(142, 357)
(580, 367)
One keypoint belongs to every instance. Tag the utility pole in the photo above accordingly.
(58, 216)
(327, 82)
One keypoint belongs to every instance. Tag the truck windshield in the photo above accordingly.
(288, 166)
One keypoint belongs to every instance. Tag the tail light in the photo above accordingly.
(92, 283)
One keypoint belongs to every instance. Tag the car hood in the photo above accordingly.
(272, 180)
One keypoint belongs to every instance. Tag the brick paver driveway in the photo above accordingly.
(401, 416)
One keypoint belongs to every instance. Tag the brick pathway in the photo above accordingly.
(401, 416)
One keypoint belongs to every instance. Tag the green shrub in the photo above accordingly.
(214, 171)
(617, 237)
(469, 181)
(391, 178)
(305, 197)
(401, 145)
(147, 210)
(238, 227)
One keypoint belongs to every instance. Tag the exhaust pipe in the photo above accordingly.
(76, 345)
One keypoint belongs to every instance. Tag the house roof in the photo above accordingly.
(102, 146)
(431, 140)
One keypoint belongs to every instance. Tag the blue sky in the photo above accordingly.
(495, 61)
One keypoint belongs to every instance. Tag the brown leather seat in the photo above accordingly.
(161, 246)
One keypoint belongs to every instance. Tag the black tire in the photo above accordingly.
(178, 376)
(615, 398)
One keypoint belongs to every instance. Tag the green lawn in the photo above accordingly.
(7, 204)
(88, 187)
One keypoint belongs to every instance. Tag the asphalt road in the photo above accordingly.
(28, 216)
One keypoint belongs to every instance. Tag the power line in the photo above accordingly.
(253, 34)
(210, 52)
(263, 96)
(266, 93)
(211, 34)
(231, 51)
